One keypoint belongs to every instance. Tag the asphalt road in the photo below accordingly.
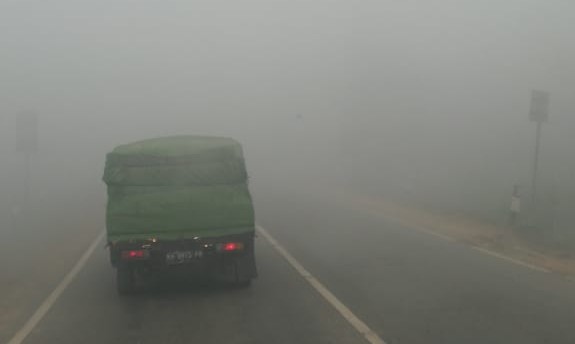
(407, 286)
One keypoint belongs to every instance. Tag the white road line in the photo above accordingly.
(509, 259)
(56, 293)
(420, 229)
(477, 248)
(436, 234)
(402, 223)
(345, 312)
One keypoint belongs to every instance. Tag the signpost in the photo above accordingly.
(27, 145)
(539, 113)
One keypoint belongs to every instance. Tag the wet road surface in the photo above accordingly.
(406, 285)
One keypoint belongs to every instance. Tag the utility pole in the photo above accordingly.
(536, 164)
(538, 113)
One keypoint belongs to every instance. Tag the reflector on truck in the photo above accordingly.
(135, 254)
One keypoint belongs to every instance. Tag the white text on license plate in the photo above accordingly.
(181, 257)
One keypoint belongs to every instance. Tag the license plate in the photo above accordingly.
(182, 257)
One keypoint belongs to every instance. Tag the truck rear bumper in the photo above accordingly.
(223, 258)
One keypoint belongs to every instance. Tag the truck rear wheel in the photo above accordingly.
(240, 281)
(243, 284)
(125, 279)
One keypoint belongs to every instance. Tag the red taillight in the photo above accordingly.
(135, 254)
(232, 246)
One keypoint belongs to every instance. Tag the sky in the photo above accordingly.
(388, 87)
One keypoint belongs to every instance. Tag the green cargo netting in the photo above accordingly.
(231, 171)
(173, 187)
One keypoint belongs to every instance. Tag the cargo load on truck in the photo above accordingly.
(177, 187)
(180, 191)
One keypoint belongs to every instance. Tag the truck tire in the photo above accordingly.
(124, 280)
(243, 284)
(239, 281)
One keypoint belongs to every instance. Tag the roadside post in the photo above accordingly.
(515, 206)
(538, 113)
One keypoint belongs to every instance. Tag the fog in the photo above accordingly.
(426, 100)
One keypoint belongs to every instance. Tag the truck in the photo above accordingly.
(179, 205)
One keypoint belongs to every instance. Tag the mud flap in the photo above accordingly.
(245, 267)
(237, 269)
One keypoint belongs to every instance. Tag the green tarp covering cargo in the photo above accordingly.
(177, 188)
